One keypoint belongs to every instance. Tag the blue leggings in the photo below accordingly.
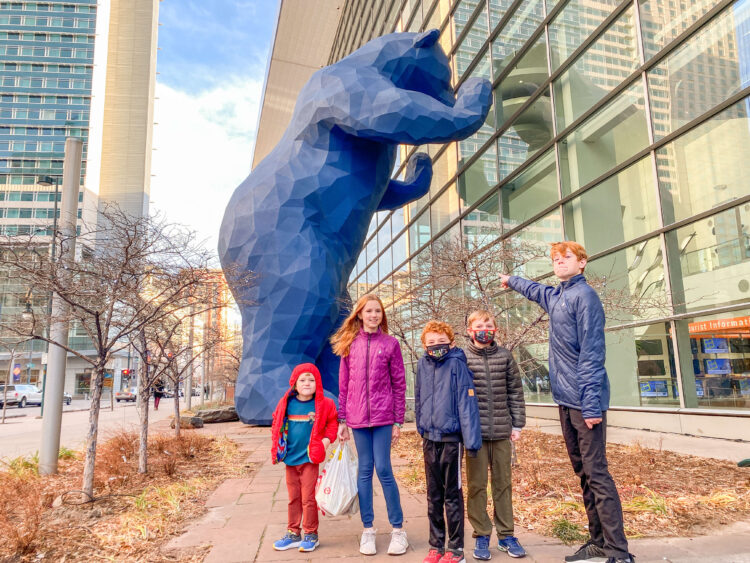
(374, 450)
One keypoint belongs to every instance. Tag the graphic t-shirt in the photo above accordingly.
(300, 415)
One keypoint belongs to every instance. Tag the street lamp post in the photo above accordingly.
(28, 315)
(49, 181)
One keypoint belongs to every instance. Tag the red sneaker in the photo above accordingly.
(433, 556)
(451, 557)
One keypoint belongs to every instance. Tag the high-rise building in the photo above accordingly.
(73, 68)
(622, 125)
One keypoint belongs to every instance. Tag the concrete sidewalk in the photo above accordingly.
(245, 517)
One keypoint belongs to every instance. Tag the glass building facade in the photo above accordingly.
(622, 125)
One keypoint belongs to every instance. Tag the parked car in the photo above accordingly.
(28, 395)
(125, 395)
(67, 398)
(12, 395)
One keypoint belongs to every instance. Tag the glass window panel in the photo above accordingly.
(526, 135)
(660, 25)
(482, 225)
(515, 33)
(444, 209)
(597, 71)
(575, 22)
(385, 263)
(498, 8)
(609, 137)
(631, 282)
(531, 191)
(701, 73)
(707, 166)
(419, 232)
(475, 182)
(619, 209)
(462, 14)
(714, 260)
(649, 349)
(539, 235)
(400, 250)
(444, 168)
(521, 82)
(470, 46)
(719, 347)
(372, 249)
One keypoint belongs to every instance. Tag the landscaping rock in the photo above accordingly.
(189, 422)
(223, 414)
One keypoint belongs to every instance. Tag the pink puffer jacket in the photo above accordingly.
(372, 383)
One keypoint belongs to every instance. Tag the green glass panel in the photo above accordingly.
(531, 191)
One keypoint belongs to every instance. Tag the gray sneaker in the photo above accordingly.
(587, 553)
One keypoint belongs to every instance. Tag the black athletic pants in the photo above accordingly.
(442, 467)
(587, 452)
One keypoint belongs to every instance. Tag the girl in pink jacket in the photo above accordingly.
(372, 401)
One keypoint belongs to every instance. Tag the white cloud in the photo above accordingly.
(203, 150)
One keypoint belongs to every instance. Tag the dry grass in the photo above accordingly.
(134, 513)
(663, 493)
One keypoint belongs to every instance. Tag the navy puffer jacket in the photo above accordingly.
(445, 400)
(576, 342)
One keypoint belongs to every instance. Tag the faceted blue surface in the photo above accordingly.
(300, 218)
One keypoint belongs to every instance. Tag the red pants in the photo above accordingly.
(300, 483)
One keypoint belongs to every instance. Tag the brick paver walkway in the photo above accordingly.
(245, 517)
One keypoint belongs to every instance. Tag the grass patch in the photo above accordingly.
(568, 532)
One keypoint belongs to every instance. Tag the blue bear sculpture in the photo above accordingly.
(300, 218)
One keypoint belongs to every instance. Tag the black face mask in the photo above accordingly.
(484, 336)
(438, 351)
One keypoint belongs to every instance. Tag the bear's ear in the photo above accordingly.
(427, 39)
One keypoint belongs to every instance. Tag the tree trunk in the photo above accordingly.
(143, 392)
(7, 381)
(90, 453)
(176, 410)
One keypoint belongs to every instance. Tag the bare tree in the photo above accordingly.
(132, 272)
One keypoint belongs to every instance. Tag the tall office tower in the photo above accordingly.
(73, 68)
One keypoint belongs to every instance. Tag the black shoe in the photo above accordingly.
(629, 559)
(588, 553)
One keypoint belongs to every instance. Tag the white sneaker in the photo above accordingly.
(367, 542)
(399, 543)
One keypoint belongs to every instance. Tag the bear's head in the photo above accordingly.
(413, 61)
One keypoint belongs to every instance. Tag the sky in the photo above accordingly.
(211, 62)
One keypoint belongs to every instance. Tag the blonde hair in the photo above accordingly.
(480, 315)
(439, 327)
(342, 340)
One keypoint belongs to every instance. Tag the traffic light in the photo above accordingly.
(125, 372)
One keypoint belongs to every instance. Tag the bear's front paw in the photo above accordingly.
(476, 94)
(418, 163)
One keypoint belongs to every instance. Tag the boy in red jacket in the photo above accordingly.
(304, 424)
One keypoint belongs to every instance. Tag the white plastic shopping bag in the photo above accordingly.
(337, 484)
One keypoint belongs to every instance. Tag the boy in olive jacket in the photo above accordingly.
(502, 412)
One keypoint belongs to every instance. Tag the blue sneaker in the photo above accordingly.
(289, 541)
(309, 543)
(482, 548)
(511, 546)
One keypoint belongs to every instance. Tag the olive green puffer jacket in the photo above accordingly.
(499, 390)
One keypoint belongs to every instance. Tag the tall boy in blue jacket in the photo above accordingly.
(447, 415)
(581, 389)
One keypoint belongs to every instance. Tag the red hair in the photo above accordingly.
(345, 335)
(562, 248)
(438, 327)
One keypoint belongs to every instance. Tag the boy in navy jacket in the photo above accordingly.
(580, 387)
(447, 416)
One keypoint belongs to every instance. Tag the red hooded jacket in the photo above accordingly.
(324, 426)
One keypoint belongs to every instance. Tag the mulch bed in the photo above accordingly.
(133, 515)
(663, 493)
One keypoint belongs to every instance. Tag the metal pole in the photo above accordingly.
(28, 365)
(58, 331)
(49, 297)
(189, 383)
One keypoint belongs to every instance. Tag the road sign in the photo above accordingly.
(16, 369)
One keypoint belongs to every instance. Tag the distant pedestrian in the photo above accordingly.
(502, 412)
(372, 402)
(158, 393)
(580, 387)
(304, 425)
(447, 418)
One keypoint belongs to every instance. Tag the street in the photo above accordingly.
(21, 435)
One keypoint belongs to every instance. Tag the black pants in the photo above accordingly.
(587, 449)
(442, 467)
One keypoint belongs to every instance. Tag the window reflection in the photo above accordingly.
(520, 84)
(526, 19)
(619, 209)
(444, 209)
(660, 25)
(475, 182)
(538, 235)
(482, 225)
(531, 191)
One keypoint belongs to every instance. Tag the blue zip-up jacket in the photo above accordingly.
(576, 342)
(446, 402)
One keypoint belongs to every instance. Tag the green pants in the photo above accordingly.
(494, 456)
